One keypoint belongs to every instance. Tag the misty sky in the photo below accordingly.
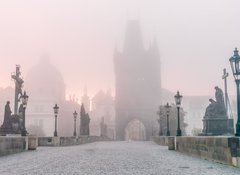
(196, 39)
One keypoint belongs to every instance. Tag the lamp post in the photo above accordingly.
(160, 122)
(178, 99)
(55, 108)
(24, 103)
(234, 61)
(167, 107)
(75, 119)
(160, 130)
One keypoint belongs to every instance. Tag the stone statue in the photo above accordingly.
(11, 123)
(216, 109)
(103, 128)
(219, 96)
(18, 87)
(211, 109)
(7, 114)
(85, 120)
(215, 120)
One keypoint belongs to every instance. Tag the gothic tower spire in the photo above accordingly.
(133, 37)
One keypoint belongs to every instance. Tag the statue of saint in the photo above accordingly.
(18, 87)
(19, 83)
(219, 95)
(7, 114)
(87, 121)
(211, 109)
(216, 109)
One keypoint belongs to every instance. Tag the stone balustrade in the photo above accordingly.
(160, 140)
(12, 144)
(69, 141)
(217, 148)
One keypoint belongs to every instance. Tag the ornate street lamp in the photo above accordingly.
(160, 133)
(234, 61)
(167, 107)
(75, 119)
(55, 108)
(178, 99)
(24, 103)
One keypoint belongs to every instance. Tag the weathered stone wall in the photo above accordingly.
(219, 148)
(68, 141)
(48, 141)
(213, 148)
(160, 140)
(12, 144)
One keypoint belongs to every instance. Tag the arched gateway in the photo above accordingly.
(135, 130)
(138, 82)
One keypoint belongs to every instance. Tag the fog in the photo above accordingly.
(195, 38)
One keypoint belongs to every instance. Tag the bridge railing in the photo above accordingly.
(217, 148)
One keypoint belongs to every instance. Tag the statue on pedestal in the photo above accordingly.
(7, 116)
(103, 128)
(84, 123)
(215, 120)
(13, 124)
(18, 88)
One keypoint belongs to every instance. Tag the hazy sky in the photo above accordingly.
(196, 39)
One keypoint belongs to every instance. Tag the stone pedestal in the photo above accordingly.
(13, 125)
(32, 142)
(4, 130)
(171, 143)
(217, 126)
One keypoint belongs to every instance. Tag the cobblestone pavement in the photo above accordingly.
(115, 158)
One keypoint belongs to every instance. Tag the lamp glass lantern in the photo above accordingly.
(167, 106)
(24, 99)
(75, 114)
(234, 62)
(56, 108)
(178, 99)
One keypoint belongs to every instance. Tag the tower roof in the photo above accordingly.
(44, 80)
(133, 36)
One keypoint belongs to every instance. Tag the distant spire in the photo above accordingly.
(150, 45)
(155, 44)
(133, 36)
(85, 91)
(109, 92)
(115, 49)
(44, 58)
(154, 48)
(82, 112)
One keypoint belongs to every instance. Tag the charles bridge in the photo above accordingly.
(85, 154)
(120, 157)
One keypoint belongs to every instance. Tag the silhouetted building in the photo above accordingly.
(137, 82)
(86, 101)
(45, 87)
(102, 106)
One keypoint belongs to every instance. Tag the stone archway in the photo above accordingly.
(135, 130)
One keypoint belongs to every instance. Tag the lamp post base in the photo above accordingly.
(24, 132)
(237, 134)
(168, 133)
(55, 133)
(179, 132)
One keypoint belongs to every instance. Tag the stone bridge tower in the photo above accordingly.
(137, 82)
